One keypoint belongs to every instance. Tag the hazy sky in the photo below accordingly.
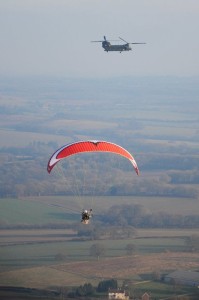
(52, 37)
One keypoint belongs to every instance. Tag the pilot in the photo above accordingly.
(86, 215)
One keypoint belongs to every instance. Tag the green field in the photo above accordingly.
(23, 211)
(23, 253)
(44, 210)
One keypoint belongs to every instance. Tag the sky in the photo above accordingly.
(53, 37)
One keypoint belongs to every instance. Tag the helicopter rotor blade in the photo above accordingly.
(123, 40)
(137, 43)
(130, 43)
(105, 40)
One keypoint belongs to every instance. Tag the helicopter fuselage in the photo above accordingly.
(108, 47)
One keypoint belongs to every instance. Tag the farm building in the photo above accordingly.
(183, 277)
(145, 296)
(118, 294)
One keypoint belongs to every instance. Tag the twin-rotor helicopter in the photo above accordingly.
(118, 47)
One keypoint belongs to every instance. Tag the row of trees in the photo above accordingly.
(137, 216)
(123, 223)
(88, 290)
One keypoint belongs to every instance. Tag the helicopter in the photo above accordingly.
(109, 47)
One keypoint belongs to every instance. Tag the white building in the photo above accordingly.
(118, 294)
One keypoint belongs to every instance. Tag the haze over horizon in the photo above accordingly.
(54, 38)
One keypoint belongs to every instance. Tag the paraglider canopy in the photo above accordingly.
(89, 146)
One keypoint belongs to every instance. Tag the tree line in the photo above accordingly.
(88, 290)
(136, 216)
(121, 221)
